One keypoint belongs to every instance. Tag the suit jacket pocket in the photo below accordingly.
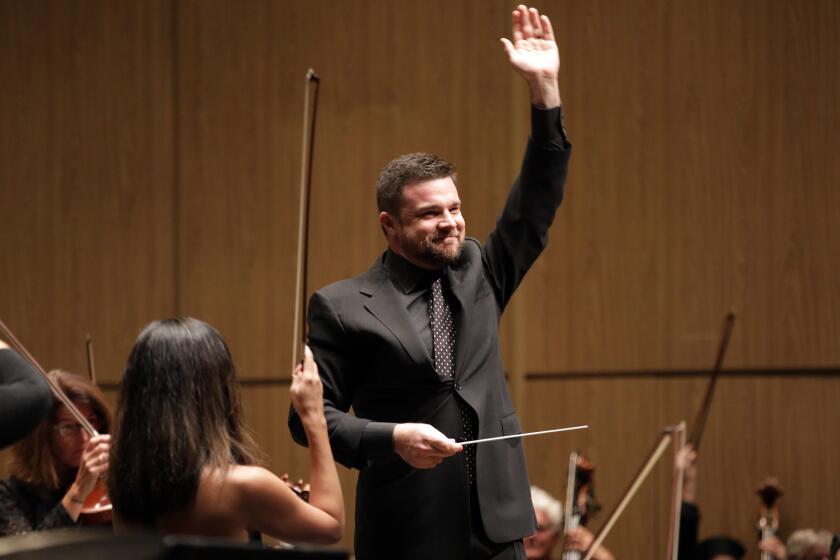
(510, 426)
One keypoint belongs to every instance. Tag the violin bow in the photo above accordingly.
(579, 490)
(309, 114)
(59, 394)
(696, 435)
(677, 495)
(571, 495)
(703, 414)
(90, 362)
(654, 455)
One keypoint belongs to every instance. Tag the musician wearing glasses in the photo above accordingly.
(56, 467)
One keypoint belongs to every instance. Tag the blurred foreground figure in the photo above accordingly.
(25, 398)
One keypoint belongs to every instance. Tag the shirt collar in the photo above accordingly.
(407, 276)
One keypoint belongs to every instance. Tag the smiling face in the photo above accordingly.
(429, 230)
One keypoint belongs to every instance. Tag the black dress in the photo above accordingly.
(23, 510)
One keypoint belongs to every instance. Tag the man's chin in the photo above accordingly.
(445, 255)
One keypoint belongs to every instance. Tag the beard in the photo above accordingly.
(434, 251)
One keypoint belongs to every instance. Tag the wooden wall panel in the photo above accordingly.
(85, 176)
(703, 179)
(382, 94)
(779, 425)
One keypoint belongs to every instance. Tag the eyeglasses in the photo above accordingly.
(73, 429)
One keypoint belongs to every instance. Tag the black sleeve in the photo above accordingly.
(17, 512)
(521, 232)
(353, 440)
(25, 398)
(689, 527)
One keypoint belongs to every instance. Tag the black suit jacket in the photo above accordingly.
(371, 359)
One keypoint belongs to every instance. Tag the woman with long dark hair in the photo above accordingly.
(56, 467)
(182, 461)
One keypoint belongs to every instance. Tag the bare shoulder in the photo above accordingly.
(248, 481)
(247, 475)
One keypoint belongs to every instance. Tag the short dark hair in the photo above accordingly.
(406, 170)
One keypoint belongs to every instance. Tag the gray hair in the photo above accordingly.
(549, 504)
(801, 541)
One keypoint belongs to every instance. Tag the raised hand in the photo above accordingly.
(306, 390)
(533, 54)
(686, 459)
(93, 465)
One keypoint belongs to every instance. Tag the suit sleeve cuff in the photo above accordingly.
(378, 440)
(547, 128)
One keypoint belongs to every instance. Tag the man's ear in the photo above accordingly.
(388, 224)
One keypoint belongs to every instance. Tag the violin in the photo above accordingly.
(580, 498)
(300, 488)
(768, 520)
(97, 509)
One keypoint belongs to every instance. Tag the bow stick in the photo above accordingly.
(657, 451)
(703, 414)
(696, 435)
(677, 494)
(89, 352)
(299, 333)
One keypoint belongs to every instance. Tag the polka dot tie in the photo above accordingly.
(443, 343)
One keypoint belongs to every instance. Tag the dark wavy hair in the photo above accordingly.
(179, 412)
(33, 461)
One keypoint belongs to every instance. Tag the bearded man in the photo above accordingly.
(412, 345)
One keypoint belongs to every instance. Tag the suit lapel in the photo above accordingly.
(387, 308)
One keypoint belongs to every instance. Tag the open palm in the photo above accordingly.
(533, 51)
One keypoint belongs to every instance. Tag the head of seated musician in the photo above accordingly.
(56, 467)
(720, 548)
(802, 544)
(549, 513)
(183, 461)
